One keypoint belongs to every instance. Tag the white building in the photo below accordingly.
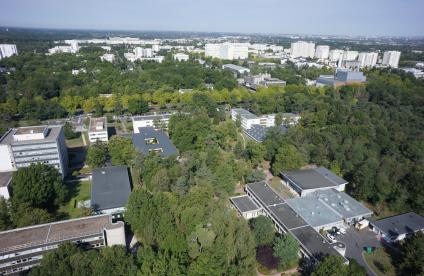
(97, 130)
(350, 55)
(181, 57)
(227, 50)
(5, 179)
(335, 55)
(156, 120)
(143, 52)
(107, 57)
(322, 52)
(21, 147)
(71, 49)
(302, 49)
(248, 119)
(8, 50)
(236, 69)
(367, 59)
(391, 58)
(155, 47)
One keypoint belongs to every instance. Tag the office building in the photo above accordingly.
(97, 130)
(23, 248)
(322, 52)
(397, 228)
(227, 50)
(157, 121)
(246, 207)
(181, 57)
(391, 58)
(21, 147)
(108, 57)
(302, 49)
(110, 190)
(262, 80)
(8, 50)
(367, 59)
(148, 140)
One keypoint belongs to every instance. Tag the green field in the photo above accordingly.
(80, 191)
(380, 262)
(74, 143)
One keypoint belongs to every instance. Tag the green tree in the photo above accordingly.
(24, 215)
(278, 120)
(263, 230)
(121, 151)
(138, 106)
(5, 219)
(255, 152)
(331, 266)
(288, 157)
(412, 262)
(69, 131)
(286, 249)
(97, 155)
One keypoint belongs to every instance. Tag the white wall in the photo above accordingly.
(116, 236)
(6, 159)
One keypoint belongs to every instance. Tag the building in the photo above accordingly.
(302, 49)
(227, 50)
(350, 55)
(391, 58)
(150, 140)
(367, 59)
(21, 147)
(97, 130)
(110, 190)
(8, 50)
(262, 80)
(335, 55)
(181, 57)
(5, 179)
(108, 57)
(23, 248)
(342, 77)
(71, 49)
(246, 206)
(397, 228)
(419, 74)
(236, 69)
(322, 51)
(157, 121)
(305, 181)
(143, 52)
(258, 132)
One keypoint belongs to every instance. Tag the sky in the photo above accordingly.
(341, 17)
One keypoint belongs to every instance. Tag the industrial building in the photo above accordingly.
(23, 248)
(97, 130)
(147, 140)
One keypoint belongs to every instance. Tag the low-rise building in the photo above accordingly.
(262, 80)
(108, 57)
(147, 140)
(181, 57)
(97, 130)
(419, 74)
(236, 69)
(397, 228)
(23, 146)
(246, 206)
(23, 248)
(157, 121)
(110, 190)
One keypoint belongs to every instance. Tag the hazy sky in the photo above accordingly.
(354, 17)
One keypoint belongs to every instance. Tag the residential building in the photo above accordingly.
(391, 58)
(397, 228)
(335, 55)
(157, 121)
(23, 146)
(72, 48)
(150, 140)
(306, 181)
(227, 50)
(181, 57)
(8, 50)
(23, 248)
(246, 206)
(143, 52)
(302, 49)
(110, 190)
(97, 130)
(419, 74)
(350, 55)
(108, 57)
(322, 52)
(236, 69)
(367, 59)
(5, 179)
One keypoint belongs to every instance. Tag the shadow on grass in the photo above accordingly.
(265, 258)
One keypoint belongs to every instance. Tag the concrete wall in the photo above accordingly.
(116, 236)
(6, 161)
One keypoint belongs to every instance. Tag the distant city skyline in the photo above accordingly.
(325, 17)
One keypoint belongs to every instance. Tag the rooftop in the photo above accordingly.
(265, 193)
(53, 232)
(287, 216)
(258, 132)
(5, 178)
(150, 139)
(110, 188)
(152, 117)
(51, 135)
(244, 203)
(244, 113)
(97, 124)
(235, 67)
(400, 224)
(313, 178)
(30, 130)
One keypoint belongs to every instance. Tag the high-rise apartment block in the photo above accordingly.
(322, 52)
(302, 49)
(391, 58)
(227, 50)
(8, 50)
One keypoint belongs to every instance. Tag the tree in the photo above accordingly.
(412, 262)
(278, 120)
(286, 249)
(97, 155)
(121, 151)
(69, 131)
(255, 152)
(331, 266)
(138, 106)
(255, 176)
(39, 186)
(263, 230)
(288, 157)
(5, 219)
(24, 215)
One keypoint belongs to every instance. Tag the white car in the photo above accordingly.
(331, 238)
(342, 230)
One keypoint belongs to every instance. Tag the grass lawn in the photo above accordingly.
(80, 191)
(74, 143)
(380, 262)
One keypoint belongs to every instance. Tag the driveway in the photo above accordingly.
(355, 242)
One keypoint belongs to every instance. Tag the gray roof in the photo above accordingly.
(287, 216)
(400, 224)
(162, 143)
(110, 188)
(244, 113)
(313, 178)
(5, 178)
(234, 67)
(52, 134)
(152, 117)
(349, 76)
(258, 132)
(264, 193)
(244, 203)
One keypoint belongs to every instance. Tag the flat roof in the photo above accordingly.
(52, 134)
(97, 124)
(148, 139)
(152, 117)
(110, 187)
(244, 113)
(30, 130)
(400, 224)
(258, 132)
(314, 212)
(264, 192)
(244, 203)
(313, 178)
(287, 216)
(235, 67)
(5, 178)
(21, 238)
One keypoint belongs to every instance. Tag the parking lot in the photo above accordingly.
(356, 242)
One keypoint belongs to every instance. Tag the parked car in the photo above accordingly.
(342, 231)
(331, 238)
